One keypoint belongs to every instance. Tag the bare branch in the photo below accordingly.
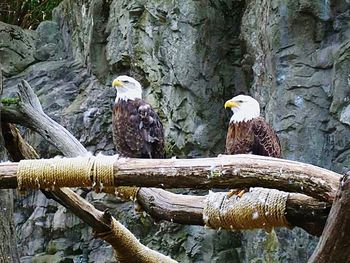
(235, 171)
(301, 210)
(15, 145)
(30, 114)
(334, 245)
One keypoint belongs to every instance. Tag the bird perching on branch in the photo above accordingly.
(248, 132)
(137, 130)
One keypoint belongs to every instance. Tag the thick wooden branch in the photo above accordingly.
(334, 245)
(234, 171)
(15, 145)
(301, 210)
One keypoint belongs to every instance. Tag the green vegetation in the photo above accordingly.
(9, 101)
(27, 13)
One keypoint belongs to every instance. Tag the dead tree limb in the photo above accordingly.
(225, 171)
(29, 113)
(15, 145)
(301, 210)
(334, 245)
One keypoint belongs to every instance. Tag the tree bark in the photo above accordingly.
(334, 245)
(8, 246)
(301, 210)
(234, 171)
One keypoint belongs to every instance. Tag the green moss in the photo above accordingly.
(271, 247)
(51, 248)
(9, 101)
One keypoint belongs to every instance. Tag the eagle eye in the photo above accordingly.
(240, 101)
(125, 81)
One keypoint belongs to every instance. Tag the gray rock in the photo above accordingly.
(16, 48)
(190, 56)
(345, 115)
(48, 45)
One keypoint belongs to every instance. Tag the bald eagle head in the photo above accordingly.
(127, 88)
(244, 108)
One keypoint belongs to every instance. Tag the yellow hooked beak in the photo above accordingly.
(230, 104)
(117, 83)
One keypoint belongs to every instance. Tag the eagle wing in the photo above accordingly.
(137, 130)
(151, 130)
(266, 141)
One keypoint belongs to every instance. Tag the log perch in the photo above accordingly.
(225, 171)
(301, 210)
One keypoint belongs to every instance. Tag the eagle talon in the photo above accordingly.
(237, 192)
(241, 193)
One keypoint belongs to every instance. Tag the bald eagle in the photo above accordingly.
(137, 130)
(247, 131)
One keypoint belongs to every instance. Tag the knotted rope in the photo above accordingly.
(66, 172)
(258, 208)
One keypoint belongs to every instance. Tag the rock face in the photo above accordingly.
(17, 46)
(301, 51)
(190, 56)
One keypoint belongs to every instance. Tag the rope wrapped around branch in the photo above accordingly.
(67, 172)
(128, 248)
(258, 208)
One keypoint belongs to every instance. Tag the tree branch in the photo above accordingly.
(301, 210)
(29, 113)
(103, 224)
(334, 244)
(234, 171)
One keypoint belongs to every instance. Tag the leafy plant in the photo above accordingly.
(27, 13)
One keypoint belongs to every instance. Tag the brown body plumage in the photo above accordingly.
(137, 130)
(247, 131)
(253, 136)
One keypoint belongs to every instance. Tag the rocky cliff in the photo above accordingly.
(190, 56)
